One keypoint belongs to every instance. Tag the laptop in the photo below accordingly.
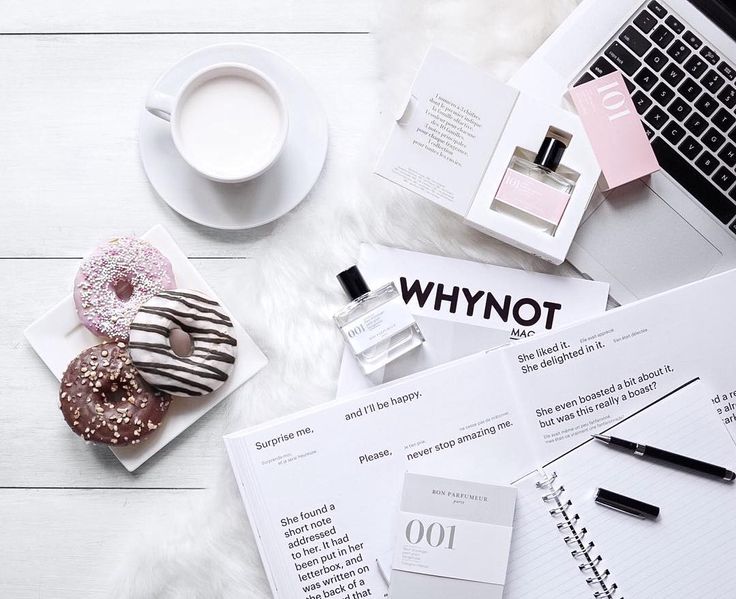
(679, 61)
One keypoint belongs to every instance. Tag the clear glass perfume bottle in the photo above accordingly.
(377, 325)
(533, 191)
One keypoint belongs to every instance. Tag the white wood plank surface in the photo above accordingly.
(69, 154)
(81, 16)
(37, 449)
(74, 75)
(64, 543)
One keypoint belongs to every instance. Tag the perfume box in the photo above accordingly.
(453, 539)
(614, 129)
(464, 138)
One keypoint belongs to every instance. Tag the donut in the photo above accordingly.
(105, 400)
(211, 338)
(115, 280)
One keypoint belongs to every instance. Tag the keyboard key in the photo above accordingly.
(690, 148)
(695, 66)
(646, 79)
(728, 154)
(645, 21)
(674, 133)
(710, 55)
(712, 81)
(656, 59)
(635, 41)
(650, 133)
(679, 51)
(728, 96)
(724, 178)
(689, 89)
(673, 75)
(679, 109)
(584, 79)
(706, 104)
(629, 84)
(723, 119)
(732, 135)
(662, 36)
(622, 58)
(674, 24)
(696, 124)
(692, 40)
(663, 94)
(713, 139)
(656, 117)
(727, 71)
(707, 162)
(602, 67)
(641, 102)
(657, 9)
(693, 182)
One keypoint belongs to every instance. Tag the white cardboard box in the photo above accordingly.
(452, 540)
(455, 139)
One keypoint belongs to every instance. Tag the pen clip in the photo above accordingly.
(620, 508)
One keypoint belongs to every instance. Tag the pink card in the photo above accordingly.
(614, 129)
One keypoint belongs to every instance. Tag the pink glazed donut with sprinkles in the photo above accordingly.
(115, 280)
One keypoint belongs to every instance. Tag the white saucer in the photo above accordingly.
(255, 202)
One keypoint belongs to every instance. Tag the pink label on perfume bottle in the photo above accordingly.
(532, 196)
(614, 129)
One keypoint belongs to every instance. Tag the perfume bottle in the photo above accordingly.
(533, 191)
(376, 325)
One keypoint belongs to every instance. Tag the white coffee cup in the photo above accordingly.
(229, 121)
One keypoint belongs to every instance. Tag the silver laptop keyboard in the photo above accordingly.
(685, 94)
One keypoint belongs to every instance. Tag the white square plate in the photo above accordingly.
(58, 337)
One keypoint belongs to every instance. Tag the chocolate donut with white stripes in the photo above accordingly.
(183, 343)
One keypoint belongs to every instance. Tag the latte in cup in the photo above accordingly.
(229, 122)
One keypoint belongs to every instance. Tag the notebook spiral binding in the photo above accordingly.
(582, 549)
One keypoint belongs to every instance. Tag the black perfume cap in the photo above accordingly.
(353, 283)
(550, 153)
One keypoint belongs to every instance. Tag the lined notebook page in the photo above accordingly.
(540, 564)
(685, 551)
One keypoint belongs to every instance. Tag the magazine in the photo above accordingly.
(463, 307)
(320, 486)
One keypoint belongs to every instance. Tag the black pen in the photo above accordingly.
(648, 451)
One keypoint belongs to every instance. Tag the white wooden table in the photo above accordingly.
(73, 75)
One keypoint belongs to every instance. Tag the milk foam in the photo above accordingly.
(228, 125)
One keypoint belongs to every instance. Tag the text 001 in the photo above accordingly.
(434, 534)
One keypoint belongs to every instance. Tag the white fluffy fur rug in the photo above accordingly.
(209, 551)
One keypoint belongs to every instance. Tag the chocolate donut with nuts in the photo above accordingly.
(105, 400)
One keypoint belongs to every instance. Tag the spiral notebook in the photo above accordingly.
(565, 545)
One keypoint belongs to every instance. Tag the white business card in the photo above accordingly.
(453, 539)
